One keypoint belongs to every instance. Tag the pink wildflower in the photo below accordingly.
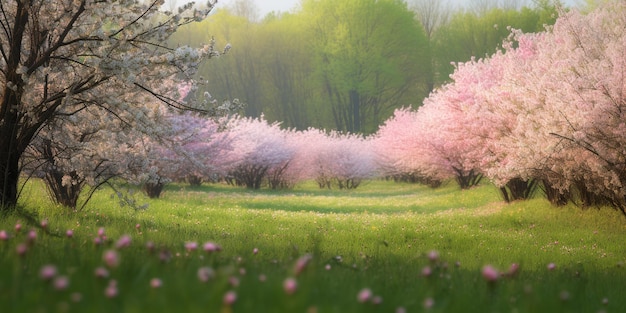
(21, 249)
(551, 267)
(111, 258)
(427, 271)
(364, 295)
(302, 263)
(69, 233)
(111, 290)
(490, 274)
(433, 256)
(513, 269)
(3, 235)
(47, 272)
(44, 223)
(32, 236)
(101, 272)
(156, 283)
(211, 247)
(290, 285)
(61, 283)
(191, 246)
(123, 242)
(101, 232)
(18, 227)
(205, 274)
(255, 251)
(230, 298)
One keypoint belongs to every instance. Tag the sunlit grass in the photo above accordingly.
(377, 236)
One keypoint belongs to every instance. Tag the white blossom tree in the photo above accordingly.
(61, 57)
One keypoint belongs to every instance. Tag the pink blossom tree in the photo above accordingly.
(258, 149)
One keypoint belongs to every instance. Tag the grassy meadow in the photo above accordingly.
(309, 250)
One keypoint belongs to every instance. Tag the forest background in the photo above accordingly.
(348, 65)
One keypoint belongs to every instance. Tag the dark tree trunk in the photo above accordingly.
(518, 189)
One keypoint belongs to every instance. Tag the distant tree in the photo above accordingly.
(370, 57)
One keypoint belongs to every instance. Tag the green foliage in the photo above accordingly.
(376, 237)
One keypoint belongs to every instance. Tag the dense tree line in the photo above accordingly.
(348, 65)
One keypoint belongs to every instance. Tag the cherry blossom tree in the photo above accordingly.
(58, 58)
(258, 149)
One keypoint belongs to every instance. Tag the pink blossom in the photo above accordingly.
(137, 226)
(377, 300)
(433, 256)
(111, 258)
(513, 270)
(3, 235)
(490, 274)
(290, 285)
(551, 266)
(47, 272)
(255, 251)
(233, 281)
(18, 227)
(428, 303)
(364, 295)
(150, 246)
(32, 236)
(211, 247)
(205, 274)
(156, 283)
(262, 278)
(69, 233)
(427, 271)
(61, 283)
(123, 242)
(44, 223)
(191, 246)
(302, 263)
(230, 297)
(101, 232)
(111, 289)
(327, 267)
(97, 241)
(101, 272)
(21, 249)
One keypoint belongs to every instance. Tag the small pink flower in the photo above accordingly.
(551, 267)
(255, 251)
(44, 223)
(61, 283)
(150, 246)
(3, 235)
(211, 247)
(290, 285)
(428, 303)
(97, 241)
(364, 295)
(205, 274)
(21, 249)
(302, 263)
(138, 226)
(32, 236)
(123, 242)
(513, 269)
(69, 233)
(427, 271)
(233, 281)
(47, 272)
(262, 278)
(156, 283)
(101, 272)
(111, 290)
(433, 255)
(111, 258)
(18, 227)
(191, 246)
(377, 300)
(101, 232)
(230, 298)
(490, 274)
(327, 267)
(400, 309)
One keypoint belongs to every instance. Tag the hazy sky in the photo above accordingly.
(266, 6)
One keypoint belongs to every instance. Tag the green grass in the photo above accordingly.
(376, 237)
